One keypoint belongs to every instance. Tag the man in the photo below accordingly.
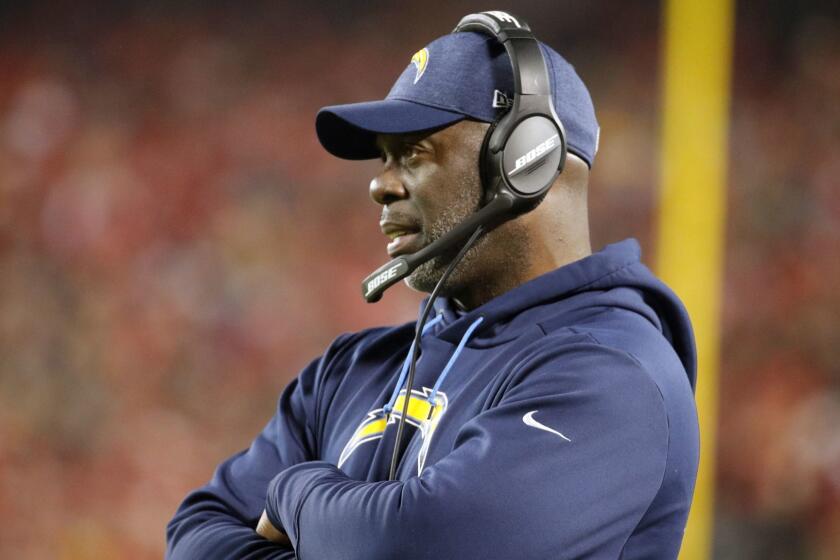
(552, 414)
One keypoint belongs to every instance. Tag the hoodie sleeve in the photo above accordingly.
(564, 465)
(219, 519)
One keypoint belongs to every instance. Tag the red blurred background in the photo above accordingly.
(175, 245)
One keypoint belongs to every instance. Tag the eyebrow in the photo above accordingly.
(393, 144)
(400, 140)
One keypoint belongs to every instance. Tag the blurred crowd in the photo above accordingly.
(175, 246)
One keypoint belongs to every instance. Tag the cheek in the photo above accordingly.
(464, 189)
(447, 192)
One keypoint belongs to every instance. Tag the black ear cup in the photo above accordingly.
(533, 155)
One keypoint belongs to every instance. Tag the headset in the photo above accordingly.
(521, 155)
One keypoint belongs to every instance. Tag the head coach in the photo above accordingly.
(542, 405)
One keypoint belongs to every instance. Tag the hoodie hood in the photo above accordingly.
(615, 275)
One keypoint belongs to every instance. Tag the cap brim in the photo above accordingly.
(349, 131)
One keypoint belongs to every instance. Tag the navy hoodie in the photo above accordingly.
(555, 421)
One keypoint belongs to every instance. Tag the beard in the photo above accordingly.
(466, 202)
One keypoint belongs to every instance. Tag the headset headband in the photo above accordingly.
(529, 71)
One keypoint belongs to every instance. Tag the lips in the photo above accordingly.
(405, 238)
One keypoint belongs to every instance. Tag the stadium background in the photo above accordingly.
(175, 245)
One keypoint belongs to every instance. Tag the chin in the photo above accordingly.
(427, 275)
(421, 283)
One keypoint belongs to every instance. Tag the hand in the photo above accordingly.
(268, 531)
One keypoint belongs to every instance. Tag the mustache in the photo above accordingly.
(400, 217)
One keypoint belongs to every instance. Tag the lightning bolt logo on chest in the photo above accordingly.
(422, 414)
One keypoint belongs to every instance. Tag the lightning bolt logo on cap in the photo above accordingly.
(420, 60)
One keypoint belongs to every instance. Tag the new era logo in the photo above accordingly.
(501, 100)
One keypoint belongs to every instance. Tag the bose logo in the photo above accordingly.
(381, 278)
(504, 16)
(535, 154)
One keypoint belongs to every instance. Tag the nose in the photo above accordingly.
(387, 187)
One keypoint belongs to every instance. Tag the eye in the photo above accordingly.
(410, 153)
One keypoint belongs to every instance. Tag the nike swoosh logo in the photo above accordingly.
(529, 421)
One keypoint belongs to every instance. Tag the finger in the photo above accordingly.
(268, 531)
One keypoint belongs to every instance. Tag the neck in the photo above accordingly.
(554, 234)
(514, 268)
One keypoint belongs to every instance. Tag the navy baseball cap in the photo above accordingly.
(463, 75)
